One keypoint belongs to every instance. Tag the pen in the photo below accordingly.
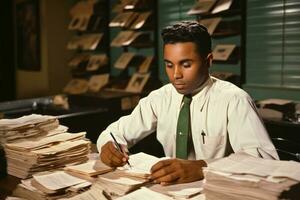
(119, 147)
(203, 137)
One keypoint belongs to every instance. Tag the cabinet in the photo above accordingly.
(224, 20)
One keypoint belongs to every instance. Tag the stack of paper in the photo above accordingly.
(128, 178)
(26, 127)
(47, 153)
(116, 185)
(179, 191)
(51, 185)
(89, 170)
(241, 176)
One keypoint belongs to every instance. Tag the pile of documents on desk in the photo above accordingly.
(241, 176)
(26, 127)
(51, 185)
(52, 149)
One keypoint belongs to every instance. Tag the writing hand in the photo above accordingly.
(174, 171)
(111, 156)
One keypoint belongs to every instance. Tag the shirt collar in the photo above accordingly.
(199, 93)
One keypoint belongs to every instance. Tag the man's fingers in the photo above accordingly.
(169, 178)
(160, 164)
(111, 156)
(163, 171)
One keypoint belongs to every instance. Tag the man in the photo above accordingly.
(221, 117)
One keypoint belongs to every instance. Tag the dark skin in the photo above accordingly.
(187, 70)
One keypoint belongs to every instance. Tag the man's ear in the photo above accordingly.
(209, 59)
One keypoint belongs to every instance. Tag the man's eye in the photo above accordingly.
(186, 64)
(169, 65)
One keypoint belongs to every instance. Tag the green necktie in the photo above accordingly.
(183, 129)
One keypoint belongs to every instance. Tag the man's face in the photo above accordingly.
(186, 69)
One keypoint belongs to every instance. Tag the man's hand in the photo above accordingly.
(111, 156)
(174, 171)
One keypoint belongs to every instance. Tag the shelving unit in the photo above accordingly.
(133, 45)
(224, 20)
(90, 65)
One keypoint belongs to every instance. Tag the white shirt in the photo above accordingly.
(224, 112)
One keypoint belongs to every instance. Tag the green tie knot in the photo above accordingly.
(187, 99)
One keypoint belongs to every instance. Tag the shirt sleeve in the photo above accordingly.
(130, 129)
(246, 129)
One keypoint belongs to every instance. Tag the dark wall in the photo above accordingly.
(7, 69)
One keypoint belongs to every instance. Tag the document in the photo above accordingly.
(141, 164)
(183, 191)
(145, 194)
(90, 168)
(55, 181)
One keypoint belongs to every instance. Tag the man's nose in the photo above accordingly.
(177, 72)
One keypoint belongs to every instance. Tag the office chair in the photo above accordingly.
(286, 149)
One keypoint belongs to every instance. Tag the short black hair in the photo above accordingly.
(188, 31)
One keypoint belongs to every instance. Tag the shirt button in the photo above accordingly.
(180, 133)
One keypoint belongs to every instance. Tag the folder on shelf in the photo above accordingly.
(85, 42)
(141, 20)
(222, 52)
(76, 86)
(124, 60)
(146, 64)
(136, 4)
(97, 82)
(131, 38)
(78, 59)
(123, 19)
(211, 24)
(79, 22)
(221, 5)
(202, 7)
(137, 82)
(96, 61)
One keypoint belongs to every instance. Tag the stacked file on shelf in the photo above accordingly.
(241, 176)
(26, 127)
